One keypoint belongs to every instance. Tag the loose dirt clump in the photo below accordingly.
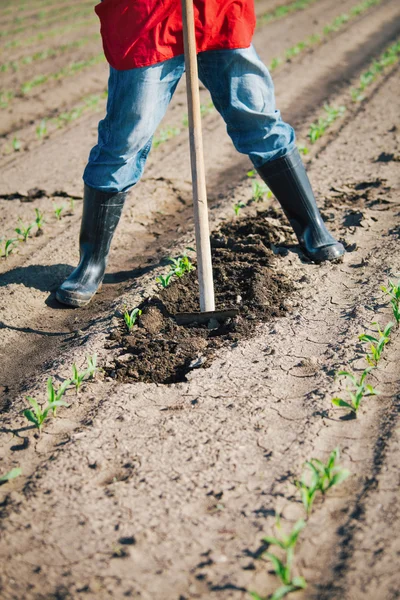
(158, 350)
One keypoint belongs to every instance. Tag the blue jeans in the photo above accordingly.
(241, 89)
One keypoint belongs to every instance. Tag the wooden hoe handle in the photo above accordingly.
(203, 246)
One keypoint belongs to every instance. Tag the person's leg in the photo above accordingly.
(137, 101)
(242, 91)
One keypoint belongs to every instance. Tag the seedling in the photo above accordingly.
(11, 475)
(164, 281)
(323, 477)
(58, 210)
(78, 378)
(181, 265)
(39, 220)
(283, 568)
(37, 415)
(238, 206)
(361, 390)
(393, 291)
(71, 205)
(318, 128)
(131, 318)
(303, 149)
(7, 247)
(41, 129)
(377, 344)
(259, 191)
(16, 144)
(54, 395)
(22, 230)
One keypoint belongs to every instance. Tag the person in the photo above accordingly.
(143, 42)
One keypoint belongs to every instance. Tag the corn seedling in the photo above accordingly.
(22, 230)
(71, 205)
(16, 144)
(320, 477)
(259, 191)
(252, 173)
(39, 220)
(181, 265)
(54, 395)
(37, 415)
(318, 128)
(237, 207)
(57, 211)
(283, 568)
(164, 281)
(376, 343)
(303, 149)
(388, 58)
(165, 135)
(360, 391)
(78, 378)
(130, 318)
(11, 475)
(393, 291)
(7, 247)
(41, 129)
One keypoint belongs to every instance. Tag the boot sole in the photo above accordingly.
(328, 253)
(74, 300)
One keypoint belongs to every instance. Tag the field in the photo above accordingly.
(168, 468)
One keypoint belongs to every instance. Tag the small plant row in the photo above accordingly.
(331, 114)
(78, 13)
(7, 96)
(44, 35)
(24, 5)
(7, 246)
(16, 65)
(280, 12)
(40, 15)
(39, 413)
(387, 59)
(317, 478)
(333, 27)
(178, 268)
(43, 128)
(376, 344)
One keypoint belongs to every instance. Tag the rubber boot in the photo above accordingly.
(101, 214)
(287, 179)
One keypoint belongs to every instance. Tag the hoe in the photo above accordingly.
(203, 247)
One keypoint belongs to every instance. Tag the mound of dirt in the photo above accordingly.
(158, 350)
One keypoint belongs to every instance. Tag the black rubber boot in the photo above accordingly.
(288, 181)
(101, 214)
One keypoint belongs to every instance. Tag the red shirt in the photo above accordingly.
(138, 33)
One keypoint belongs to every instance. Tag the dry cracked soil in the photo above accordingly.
(170, 466)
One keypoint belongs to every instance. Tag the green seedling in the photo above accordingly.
(164, 281)
(237, 207)
(7, 247)
(322, 478)
(54, 395)
(181, 265)
(376, 343)
(16, 144)
(303, 149)
(71, 205)
(165, 134)
(283, 568)
(252, 173)
(37, 415)
(11, 475)
(260, 190)
(39, 220)
(41, 129)
(361, 390)
(130, 318)
(393, 291)
(78, 378)
(22, 230)
(58, 210)
(318, 128)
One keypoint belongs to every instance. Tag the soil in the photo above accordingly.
(160, 351)
(166, 471)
